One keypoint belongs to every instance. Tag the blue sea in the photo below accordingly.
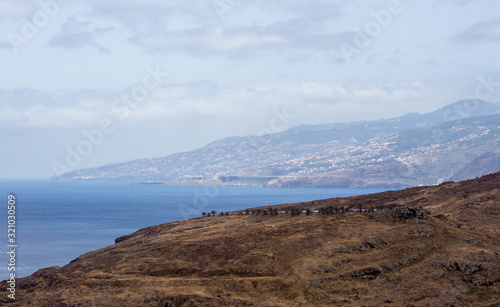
(57, 221)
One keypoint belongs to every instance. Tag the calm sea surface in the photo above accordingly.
(58, 221)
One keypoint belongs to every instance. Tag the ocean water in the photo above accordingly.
(57, 221)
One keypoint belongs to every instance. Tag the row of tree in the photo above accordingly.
(213, 213)
(269, 211)
(331, 210)
(294, 211)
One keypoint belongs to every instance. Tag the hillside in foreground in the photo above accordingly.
(447, 254)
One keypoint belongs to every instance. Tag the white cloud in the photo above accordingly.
(202, 99)
(312, 102)
(486, 31)
(4, 45)
(251, 27)
(15, 9)
(75, 34)
(231, 66)
(211, 40)
(27, 108)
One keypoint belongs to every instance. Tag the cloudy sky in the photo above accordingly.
(86, 83)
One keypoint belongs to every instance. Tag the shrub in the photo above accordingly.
(409, 212)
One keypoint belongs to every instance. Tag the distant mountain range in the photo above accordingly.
(414, 149)
(484, 164)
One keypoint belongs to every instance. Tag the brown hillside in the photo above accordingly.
(450, 258)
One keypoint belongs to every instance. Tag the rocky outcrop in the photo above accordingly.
(409, 212)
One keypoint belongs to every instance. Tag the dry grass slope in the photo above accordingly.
(450, 258)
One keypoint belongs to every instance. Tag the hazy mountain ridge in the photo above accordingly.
(405, 151)
(482, 165)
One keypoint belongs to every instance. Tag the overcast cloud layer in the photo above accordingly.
(159, 77)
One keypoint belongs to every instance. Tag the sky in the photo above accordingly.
(87, 83)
